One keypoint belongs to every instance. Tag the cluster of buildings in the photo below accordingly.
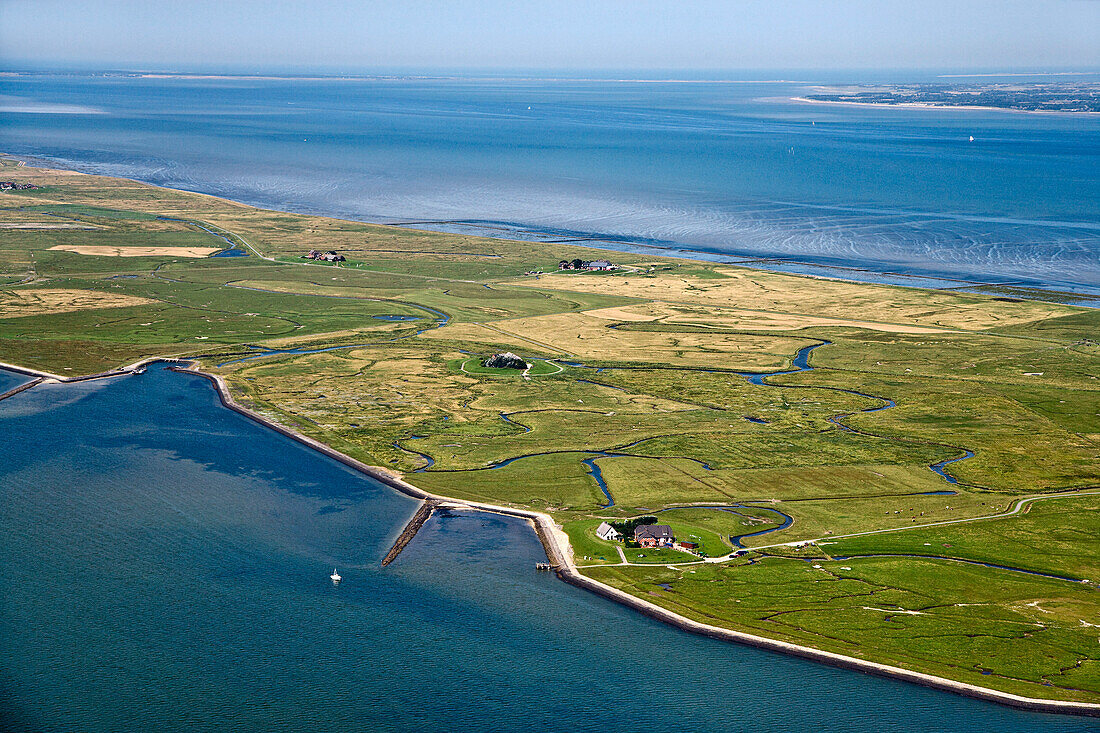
(648, 535)
(13, 186)
(330, 256)
(586, 265)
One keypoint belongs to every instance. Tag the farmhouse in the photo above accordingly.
(330, 256)
(654, 535)
(606, 532)
(505, 360)
(587, 265)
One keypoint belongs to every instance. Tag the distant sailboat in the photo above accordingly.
(971, 138)
(335, 576)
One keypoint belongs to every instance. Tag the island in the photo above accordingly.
(1014, 96)
(893, 479)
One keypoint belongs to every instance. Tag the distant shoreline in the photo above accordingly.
(393, 77)
(926, 105)
(853, 272)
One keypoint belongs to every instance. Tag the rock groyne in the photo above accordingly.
(423, 512)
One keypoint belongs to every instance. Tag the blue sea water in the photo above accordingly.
(731, 169)
(166, 568)
(10, 380)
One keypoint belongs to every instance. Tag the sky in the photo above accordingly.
(327, 35)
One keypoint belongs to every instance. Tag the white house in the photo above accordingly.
(606, 532)
(599, 265)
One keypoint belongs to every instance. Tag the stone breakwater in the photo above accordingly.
(423, 512)
(25, 386)
(556, 545)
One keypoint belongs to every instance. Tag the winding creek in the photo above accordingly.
(233, 250)
(440, 319)
(800, 363)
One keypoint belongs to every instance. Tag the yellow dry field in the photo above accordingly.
(370, 385)
(16, 303)
(741, 319)
(787, 296)
(589, 336)
(39, 225)
(106, 251)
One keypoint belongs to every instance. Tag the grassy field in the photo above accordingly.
(639, 378)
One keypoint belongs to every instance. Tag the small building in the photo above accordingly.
(599, 265)
(606, 532)
(330, 256)
(506, 360)
(654, 535)
(687, 546)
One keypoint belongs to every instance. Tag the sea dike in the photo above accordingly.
(556, 546)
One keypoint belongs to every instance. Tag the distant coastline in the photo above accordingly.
(926, 105)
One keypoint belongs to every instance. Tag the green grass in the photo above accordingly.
(657, 555)
(862, 612)
(78, 210)
(587, 547)
(539, 367)
(1053, 536)
(713, 527)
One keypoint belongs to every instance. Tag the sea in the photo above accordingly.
(727, 168)
(166, 568)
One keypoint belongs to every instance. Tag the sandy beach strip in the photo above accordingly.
(109, 251)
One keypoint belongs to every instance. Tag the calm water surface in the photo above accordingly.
(9, 380)
(166, 568)
(732, 169)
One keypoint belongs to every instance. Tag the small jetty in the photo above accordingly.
(422, 513)
(22, 388)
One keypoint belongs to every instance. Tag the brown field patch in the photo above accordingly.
(36, 225)
(756, 291)
(589, 337)
(747, 320)
(17, 303)
(107, 251)
(631, 313)
(741, 319)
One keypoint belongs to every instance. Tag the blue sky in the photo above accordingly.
(552, 34)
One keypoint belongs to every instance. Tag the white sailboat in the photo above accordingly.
(335, 576)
